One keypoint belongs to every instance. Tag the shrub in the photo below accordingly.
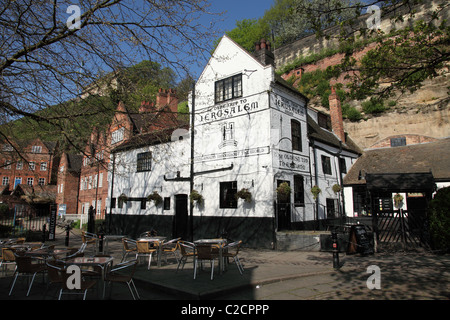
(373, 106)
(439, 215)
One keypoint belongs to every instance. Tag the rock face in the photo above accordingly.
(425, 112)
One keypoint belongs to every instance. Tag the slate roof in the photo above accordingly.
(320, 134)
(74, 161)
(431, 157)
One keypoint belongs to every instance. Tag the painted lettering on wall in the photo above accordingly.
(233, 154)
(227, 110)
(289, 161)
(288, 106)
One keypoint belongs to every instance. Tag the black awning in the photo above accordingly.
(400, 182)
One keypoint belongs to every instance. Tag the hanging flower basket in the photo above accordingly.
(244, 194)
(283, 191)
(398, 200)
(337, 188)
(195, 196)
(123, 198)
(315, 190)
(155, 197)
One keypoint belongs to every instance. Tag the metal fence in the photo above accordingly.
(24, 221)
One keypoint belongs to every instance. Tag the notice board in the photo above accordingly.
(359, 241)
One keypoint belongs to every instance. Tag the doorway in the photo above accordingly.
(180, 222)
(283, 210)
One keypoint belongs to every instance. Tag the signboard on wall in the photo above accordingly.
(52, 224)
(290, 161)
(287, 106)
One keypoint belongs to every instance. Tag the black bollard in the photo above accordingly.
(334, 240)
(101, 236)
(67, 235)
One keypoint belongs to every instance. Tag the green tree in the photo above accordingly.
(439, 214)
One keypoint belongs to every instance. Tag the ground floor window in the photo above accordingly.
(299, 191)
(332, 207)
(228, 192)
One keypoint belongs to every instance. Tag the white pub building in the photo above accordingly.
(254, 137)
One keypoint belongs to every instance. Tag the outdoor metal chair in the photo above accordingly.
(231, 251)
(8, 258)
(84, 285)
(54, 274)
(206, 252)
(89, 239)
(26, 268)
(129, 246)
(144, 249)
(170, 246)
(187, 250)
(117, 275)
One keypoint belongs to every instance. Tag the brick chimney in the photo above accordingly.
(167, 98)
(263, 53)
(147, 107)
(337, 123)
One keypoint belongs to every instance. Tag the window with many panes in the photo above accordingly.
(296, 135)
(144, 161)
(118, 135)
(398, 142)
(228, 88)
(228, 192)
(326, 165)
(299, 191)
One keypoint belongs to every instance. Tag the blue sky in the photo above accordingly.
(240, 9)
(234, 10)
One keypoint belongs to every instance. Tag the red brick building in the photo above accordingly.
(93, 190)
(68, 183)
(31, 162)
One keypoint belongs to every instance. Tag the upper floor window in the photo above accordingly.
(398, 142)
(36, 149)
(326, 165)
(117, 135)
(228, 88)
(7, 147)
(144, 161)
(296, 135)
(7, 165)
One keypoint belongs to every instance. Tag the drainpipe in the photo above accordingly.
(316, 179)
(191, 187)
(111, 195)
(344, 215)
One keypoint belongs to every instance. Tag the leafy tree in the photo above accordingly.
(402, 60)
(439, 214)
(52, 52)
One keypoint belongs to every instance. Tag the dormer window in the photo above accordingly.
(117, 135)
(36, 149)
(228, 88)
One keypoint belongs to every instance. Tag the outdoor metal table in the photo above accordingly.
(160, 241)
(111, 237)
(46, 253)
(220, 242)
(101, 262)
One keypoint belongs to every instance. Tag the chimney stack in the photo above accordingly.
(167, 98)
(337, 123)
(263, 53)
(147, 106)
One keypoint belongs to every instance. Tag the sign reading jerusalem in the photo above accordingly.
(227, 110)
